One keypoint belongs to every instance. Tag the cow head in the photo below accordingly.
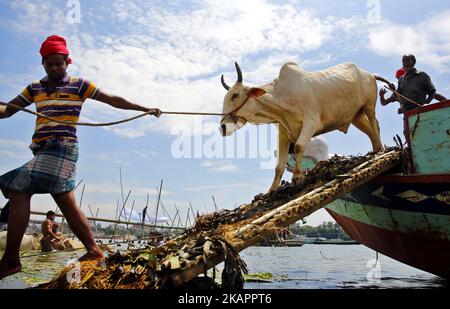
(233, 104)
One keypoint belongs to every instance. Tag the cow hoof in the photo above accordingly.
(298, 180)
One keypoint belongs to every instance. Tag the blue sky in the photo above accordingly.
(170, 54)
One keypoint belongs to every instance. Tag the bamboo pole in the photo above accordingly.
(179, 217)
(190, 222)
(113, 237)
(192, 212)
(78, 185)
(157, 203)
(144, 215)
(120, 213)
(82, 193)
(129, 218)
(92, 214)
(165, 213)
(38, 213)
(95, 222)
(121, 184)
(187, 217)
(215, 205)
(173, 222)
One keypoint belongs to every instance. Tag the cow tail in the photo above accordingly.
(384, 80)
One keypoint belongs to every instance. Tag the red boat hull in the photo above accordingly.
(424, 252)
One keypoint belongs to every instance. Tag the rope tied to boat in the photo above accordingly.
(105, 124)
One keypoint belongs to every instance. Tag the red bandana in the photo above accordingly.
(400, 72)
(55, 44)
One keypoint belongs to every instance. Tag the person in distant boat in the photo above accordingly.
(413, 84)
(49, 232)
(55, 149)
(316, 150)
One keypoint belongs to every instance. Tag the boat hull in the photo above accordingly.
(404, 217)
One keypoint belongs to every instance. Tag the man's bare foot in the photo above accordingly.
(9, 268)
(92, 255)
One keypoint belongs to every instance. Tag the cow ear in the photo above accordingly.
(257, 92)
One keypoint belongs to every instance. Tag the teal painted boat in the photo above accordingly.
(405, 214)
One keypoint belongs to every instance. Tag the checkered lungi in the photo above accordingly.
(52, 170)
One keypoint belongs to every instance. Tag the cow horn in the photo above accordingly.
(224, 84)
(239, 72)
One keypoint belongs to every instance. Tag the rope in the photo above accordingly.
(106, 123)
(402, 96)
(193, 113)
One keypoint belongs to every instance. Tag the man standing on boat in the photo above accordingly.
(55, 150)
(412, 84)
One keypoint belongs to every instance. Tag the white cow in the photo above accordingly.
(305, 104)
(29, 242)
(33, 242)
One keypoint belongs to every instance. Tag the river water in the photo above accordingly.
(307, 267)
(333, 267)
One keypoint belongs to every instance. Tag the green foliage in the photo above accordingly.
(329, 230)
(258, 277)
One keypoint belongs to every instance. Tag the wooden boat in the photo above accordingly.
(405, 214)
(335, 242)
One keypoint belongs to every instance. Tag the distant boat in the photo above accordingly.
(282, 243)
(335, 242)
(406, 216)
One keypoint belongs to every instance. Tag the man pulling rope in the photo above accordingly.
(58, 99)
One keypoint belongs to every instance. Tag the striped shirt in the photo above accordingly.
(61, 103)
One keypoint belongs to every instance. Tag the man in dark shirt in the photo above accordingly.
(414, 85)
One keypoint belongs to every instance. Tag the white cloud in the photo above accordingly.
(175, 65)
(220, 166)
(171, 56)
(215, 188)
(128, 132)
(145, 153)
(38, 17)
(13, 144)
(428, 40)
(123, 157)
(7, 153)
(16, 149)
(106, 188)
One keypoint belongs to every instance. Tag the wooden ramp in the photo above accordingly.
(220, 236)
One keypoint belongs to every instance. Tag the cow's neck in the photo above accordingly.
(268, 111)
